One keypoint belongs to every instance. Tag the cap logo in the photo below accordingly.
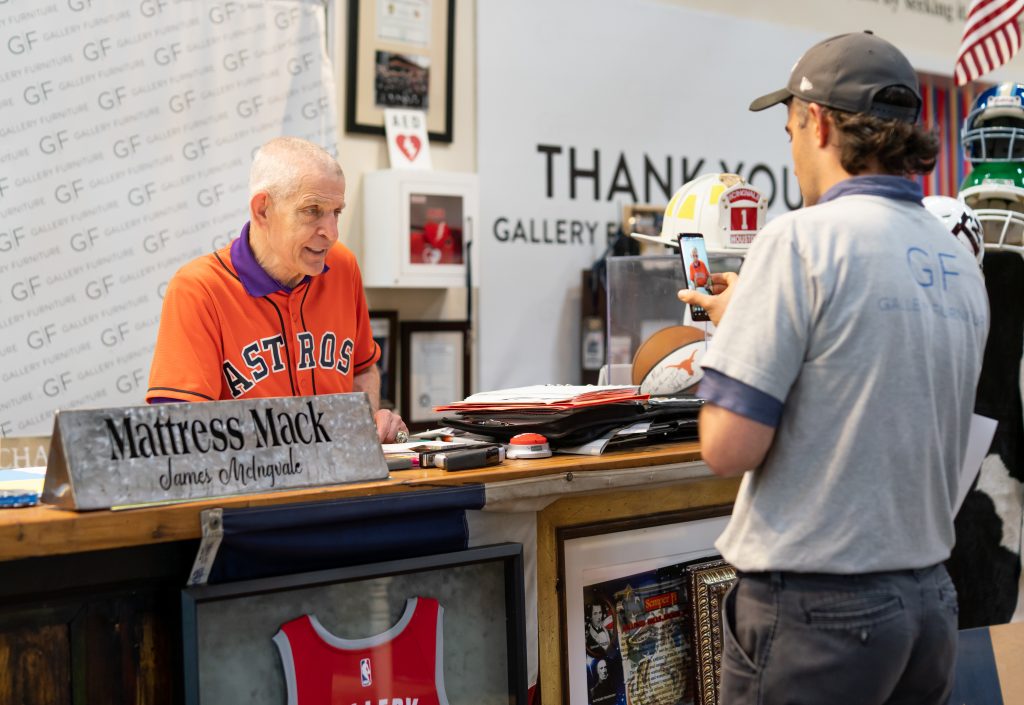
(806, 85)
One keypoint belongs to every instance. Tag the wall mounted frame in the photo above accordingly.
(400, 55)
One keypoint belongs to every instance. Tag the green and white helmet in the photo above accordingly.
(995, 191)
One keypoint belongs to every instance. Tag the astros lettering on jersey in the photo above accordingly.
(229, 331)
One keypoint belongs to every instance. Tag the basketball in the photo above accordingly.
(668, 362)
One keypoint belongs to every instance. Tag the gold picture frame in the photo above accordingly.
(709, 582)
(645, 219)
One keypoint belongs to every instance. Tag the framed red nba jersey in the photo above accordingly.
(402, 666)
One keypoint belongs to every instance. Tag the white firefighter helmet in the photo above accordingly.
(960, 221)
(723, 208)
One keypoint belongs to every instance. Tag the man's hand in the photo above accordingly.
(388, 425)
(722, 286)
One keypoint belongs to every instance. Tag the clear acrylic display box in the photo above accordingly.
(642, 300)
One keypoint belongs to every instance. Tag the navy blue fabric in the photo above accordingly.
(895, 187)
(977, 679)
(296, 538)
(740, 398)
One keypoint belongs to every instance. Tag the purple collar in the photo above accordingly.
(253, 277)
(884, 185)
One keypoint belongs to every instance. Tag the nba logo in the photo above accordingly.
(364, 672)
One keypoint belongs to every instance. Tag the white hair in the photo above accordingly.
(279, 165)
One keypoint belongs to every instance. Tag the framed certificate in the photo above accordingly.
(400, 55)
(435, 369)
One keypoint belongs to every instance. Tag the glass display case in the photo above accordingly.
(642, 301)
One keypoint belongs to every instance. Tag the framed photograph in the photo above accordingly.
(435, 369)
(458, 618)
(400, 55)
(709, 581)
(384, 325)
(626, 615)
(647, 220)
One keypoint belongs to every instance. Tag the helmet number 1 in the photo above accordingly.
(744, 218)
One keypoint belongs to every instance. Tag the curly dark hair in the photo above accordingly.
(897, 147)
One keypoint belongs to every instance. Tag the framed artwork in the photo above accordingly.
(709, 581)
(626, 613)
(435, 369)
(384, 325)
(400, 55)
(251, 641)
(647, 220)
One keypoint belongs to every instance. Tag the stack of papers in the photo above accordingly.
(548, 397)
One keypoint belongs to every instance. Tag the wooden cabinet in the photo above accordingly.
(101, 627)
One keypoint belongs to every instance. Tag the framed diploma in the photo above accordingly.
(435, 369)
(400, 55)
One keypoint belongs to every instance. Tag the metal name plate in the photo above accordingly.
(102, 458)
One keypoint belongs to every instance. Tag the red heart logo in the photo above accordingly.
(409, 145)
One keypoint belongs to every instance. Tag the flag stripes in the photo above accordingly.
(991, 38)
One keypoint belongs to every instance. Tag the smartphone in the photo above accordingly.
(694, 256)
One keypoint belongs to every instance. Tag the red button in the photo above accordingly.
(527, 439)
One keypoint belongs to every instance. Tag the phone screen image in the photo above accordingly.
(695, 260)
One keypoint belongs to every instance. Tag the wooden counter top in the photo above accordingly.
(45, 530)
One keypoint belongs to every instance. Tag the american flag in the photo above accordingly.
(991, 38)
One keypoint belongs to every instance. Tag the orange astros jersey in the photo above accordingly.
(228, 330)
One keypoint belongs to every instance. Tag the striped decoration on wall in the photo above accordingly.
(945, 108)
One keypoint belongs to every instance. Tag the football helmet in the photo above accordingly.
(994, 129)
(996, 193)
(959, 219)
(724, 208)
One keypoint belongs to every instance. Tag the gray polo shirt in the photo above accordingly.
(867, 322)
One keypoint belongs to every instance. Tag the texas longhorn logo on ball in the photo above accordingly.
(668, 362)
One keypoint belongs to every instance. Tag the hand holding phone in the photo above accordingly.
(694, 256)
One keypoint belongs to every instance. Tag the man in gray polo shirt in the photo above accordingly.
(840, 383)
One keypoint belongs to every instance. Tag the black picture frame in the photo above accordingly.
(206, 609)
(432, 375)
(366, 47)
(385, 333)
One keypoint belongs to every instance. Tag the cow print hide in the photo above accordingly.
(986, 562)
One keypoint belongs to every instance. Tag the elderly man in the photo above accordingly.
(840, 384)
(281, 310)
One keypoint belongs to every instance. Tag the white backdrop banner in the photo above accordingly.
(927, 31)
(585, 107)
(126, 134)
